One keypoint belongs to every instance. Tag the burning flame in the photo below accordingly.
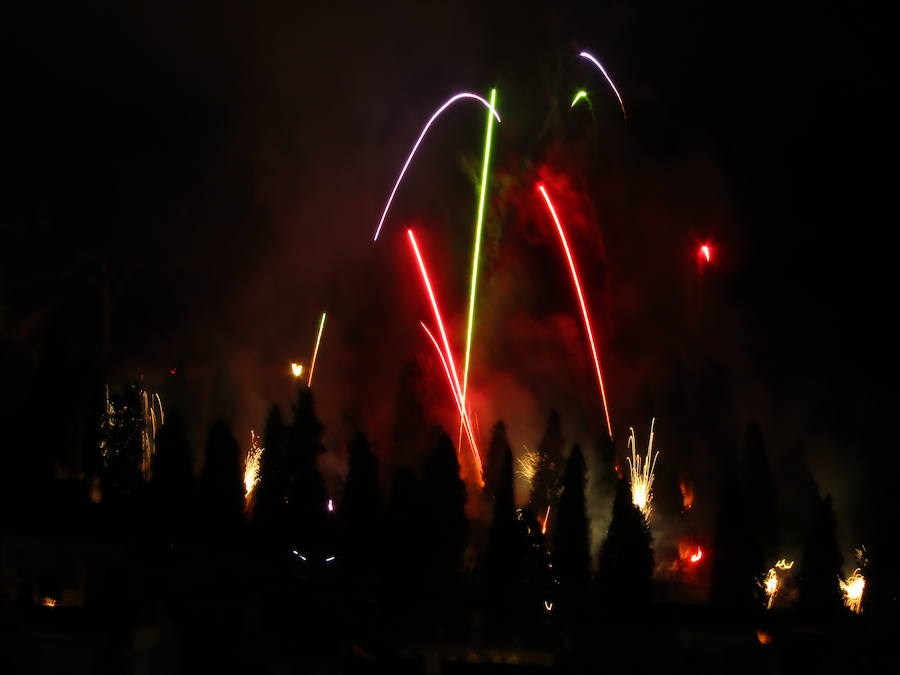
(48, 601)
(251, 469)
(642, 473)
(853, 591)
(297, 369)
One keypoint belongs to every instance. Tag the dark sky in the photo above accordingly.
(219, 168)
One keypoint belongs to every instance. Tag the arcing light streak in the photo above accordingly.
(453, 391)
(312, 366)
(476, 253)
(434, 116)
(580, 95)
(448, 352)
(608, 79)
(584, 312)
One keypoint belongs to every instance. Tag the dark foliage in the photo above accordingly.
(819, 591)
(571, 548)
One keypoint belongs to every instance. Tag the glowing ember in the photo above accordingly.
(296, 369)
(548, 606)
(545, 521)
(784, 565)
(330, 506)
(642, 473)
(853, 591)
(48, 601)
(704, 253)
(251, 469)
(698, 556)
(763, 637)
(687, 495)
(312, 365)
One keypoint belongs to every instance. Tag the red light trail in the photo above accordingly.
(584, 312)
(451, 364)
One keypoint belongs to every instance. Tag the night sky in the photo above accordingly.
(219, 171)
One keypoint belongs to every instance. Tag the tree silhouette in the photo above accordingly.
(736, 561)
(571, 548)
(121, 444)
(173, 483)
(626, 557)
(506, 545)
(760, 509)
(496, 456)
(547, 478)
(221, 480)
(361, 512)
(411, 425)
(274, 477)
(405, 560)
(308, 521)
(445, 528)
(819, 591)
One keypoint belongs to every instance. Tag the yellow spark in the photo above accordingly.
(783, 565)
(527, 464)
(642, 473)
(548, 606)
(48, 601)
(251, 469)
(546, 520)
(297, 369)
(771, 586)
(853, 591)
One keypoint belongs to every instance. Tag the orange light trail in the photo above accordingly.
(451, 367)
(698, 556)
(312, 366)
(584, 312)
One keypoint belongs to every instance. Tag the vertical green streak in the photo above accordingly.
(476, 254)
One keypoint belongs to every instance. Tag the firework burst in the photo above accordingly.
(251, 469)
(642, 473)
(852, 590)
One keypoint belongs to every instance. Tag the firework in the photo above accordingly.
(296, 369)
(770, 585)
(527, 464)
(154, 417)
(593, 60)
(852, 590)
(450, 364)
(251, 469)
(687, 495)
(698, 556)
(476, 250)
(466, 424)
(784, 564)
(312, 365)
(545, 521)
(578, 97)
(642, 473)
(584, 313)
(434, 116)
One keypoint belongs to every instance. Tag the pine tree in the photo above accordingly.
(571, 547)
(308, 524)
(626, 557)
(736, 560)
(222, 484)
(274, 478)
(547, 478)
(506, 545)
(760, 510)
(819, 590)
(361, 511)
(496, 456)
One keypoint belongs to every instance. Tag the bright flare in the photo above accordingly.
(584, 313)
(784, 565)
(593, 60)
(297, 369)
(312, 365)
(642, 473)
(771, 584)
(527, 464)
(434, 116)
(251, 469)
(853, 590)
(698, 556)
